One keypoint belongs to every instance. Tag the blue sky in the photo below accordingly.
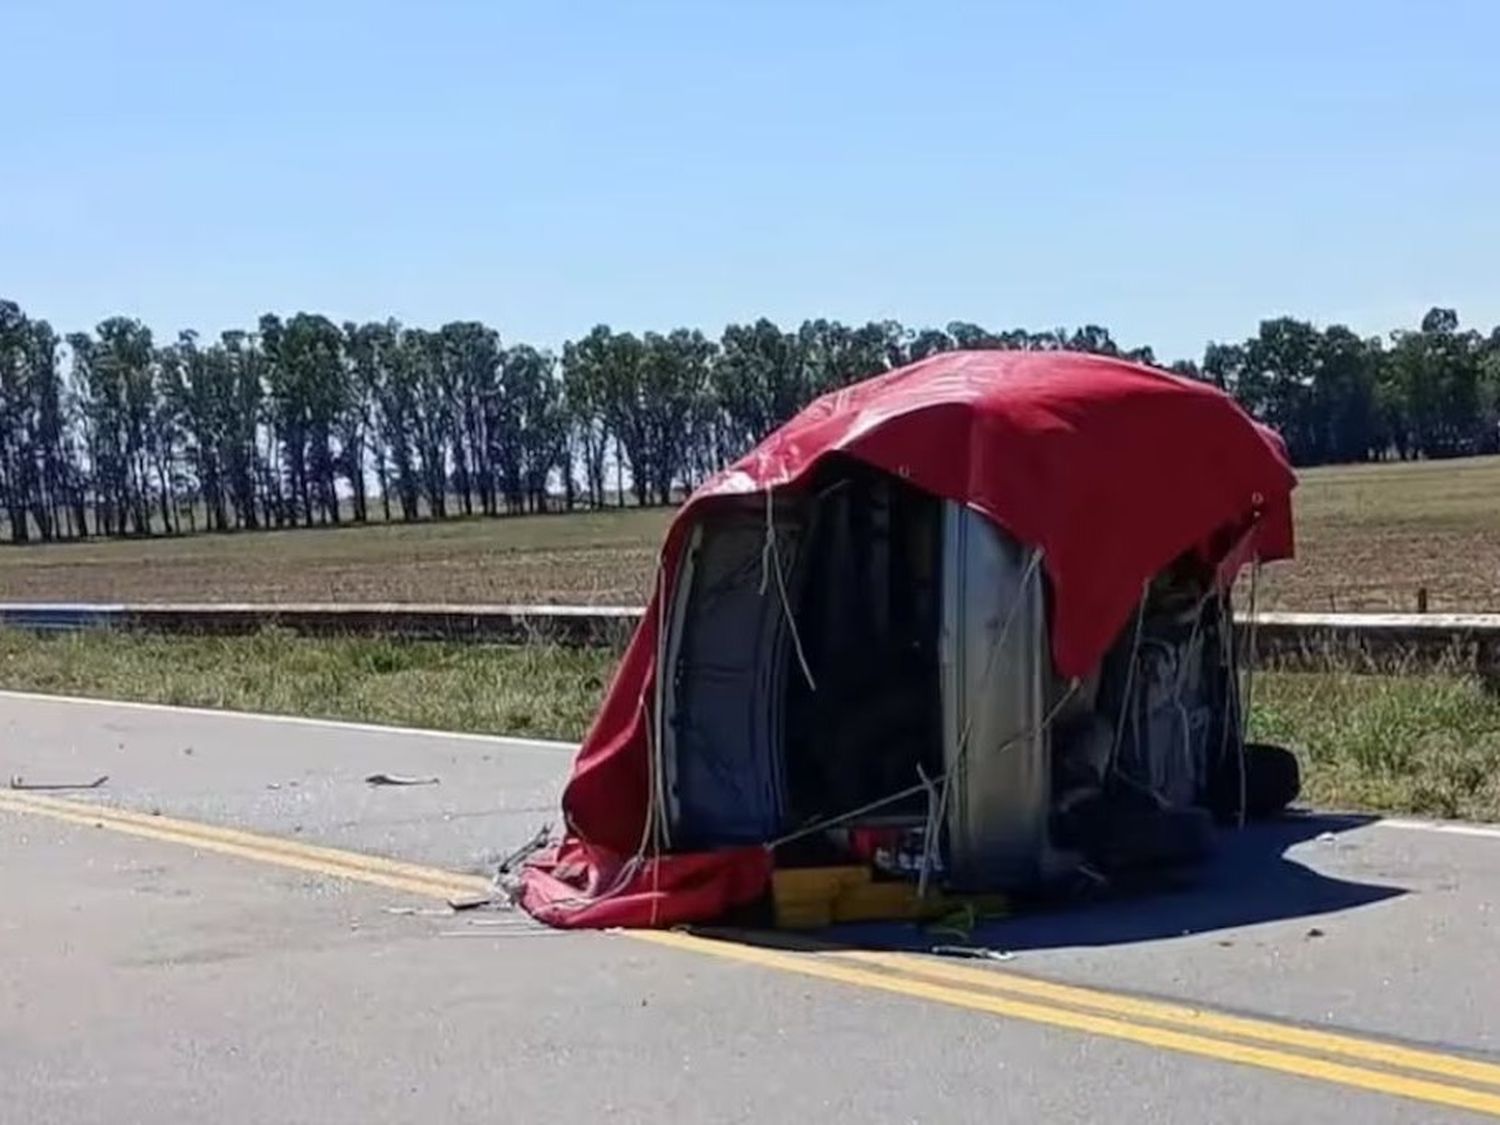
(1174, 171)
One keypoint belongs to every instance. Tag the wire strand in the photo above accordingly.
(1248, 698)
(770, 561)
(1125, 699)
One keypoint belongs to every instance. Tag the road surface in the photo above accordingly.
(236, 928)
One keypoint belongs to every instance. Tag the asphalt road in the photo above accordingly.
(150, 972)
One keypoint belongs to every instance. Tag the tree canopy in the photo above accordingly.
(303, 421)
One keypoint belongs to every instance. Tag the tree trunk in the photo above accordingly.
(41, 514)
(462, 479)
(165, 500)
(328, 485)
(304, 500)
(20, 532)
(355, 457)
(385, 486)
(594, 466)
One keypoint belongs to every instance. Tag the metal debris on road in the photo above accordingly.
(420, 911)
(19, 782)
(973, 952)
(507, 878)
(399, 779)
(537, 842)
(471, 902)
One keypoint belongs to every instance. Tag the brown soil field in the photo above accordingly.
(1369, 538)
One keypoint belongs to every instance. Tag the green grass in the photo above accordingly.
(1409, 744)
(535, 691)
(1427, 745)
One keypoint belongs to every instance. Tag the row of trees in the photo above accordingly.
(304, 421)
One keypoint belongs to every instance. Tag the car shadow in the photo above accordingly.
(1249, 880)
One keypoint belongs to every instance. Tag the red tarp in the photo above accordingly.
(1112, 469)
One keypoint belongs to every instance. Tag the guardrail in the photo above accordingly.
(497, 624)
(1380, 642)
(1363, 642)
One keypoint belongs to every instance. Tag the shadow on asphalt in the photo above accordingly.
(1249, 880)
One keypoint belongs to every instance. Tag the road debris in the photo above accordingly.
(19, 782)
(420, 911)
(471, 902)
(399, 779)
(507, 878)
(973, 952)
(537, 842)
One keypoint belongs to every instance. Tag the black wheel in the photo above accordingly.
(1273, 779)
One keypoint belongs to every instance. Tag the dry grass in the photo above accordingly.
(596, 558)
(1370, 536)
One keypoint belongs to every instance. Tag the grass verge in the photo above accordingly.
(537, 691)
(1428, 745)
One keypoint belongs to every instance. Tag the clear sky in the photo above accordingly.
(1175, 171)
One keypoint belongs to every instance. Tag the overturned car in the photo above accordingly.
(961, 628)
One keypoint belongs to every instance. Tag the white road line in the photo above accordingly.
(538, 744)
(1455, 828)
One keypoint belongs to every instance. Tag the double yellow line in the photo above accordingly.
(1342, 1059)
(410, 878)
(1352, 1061)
